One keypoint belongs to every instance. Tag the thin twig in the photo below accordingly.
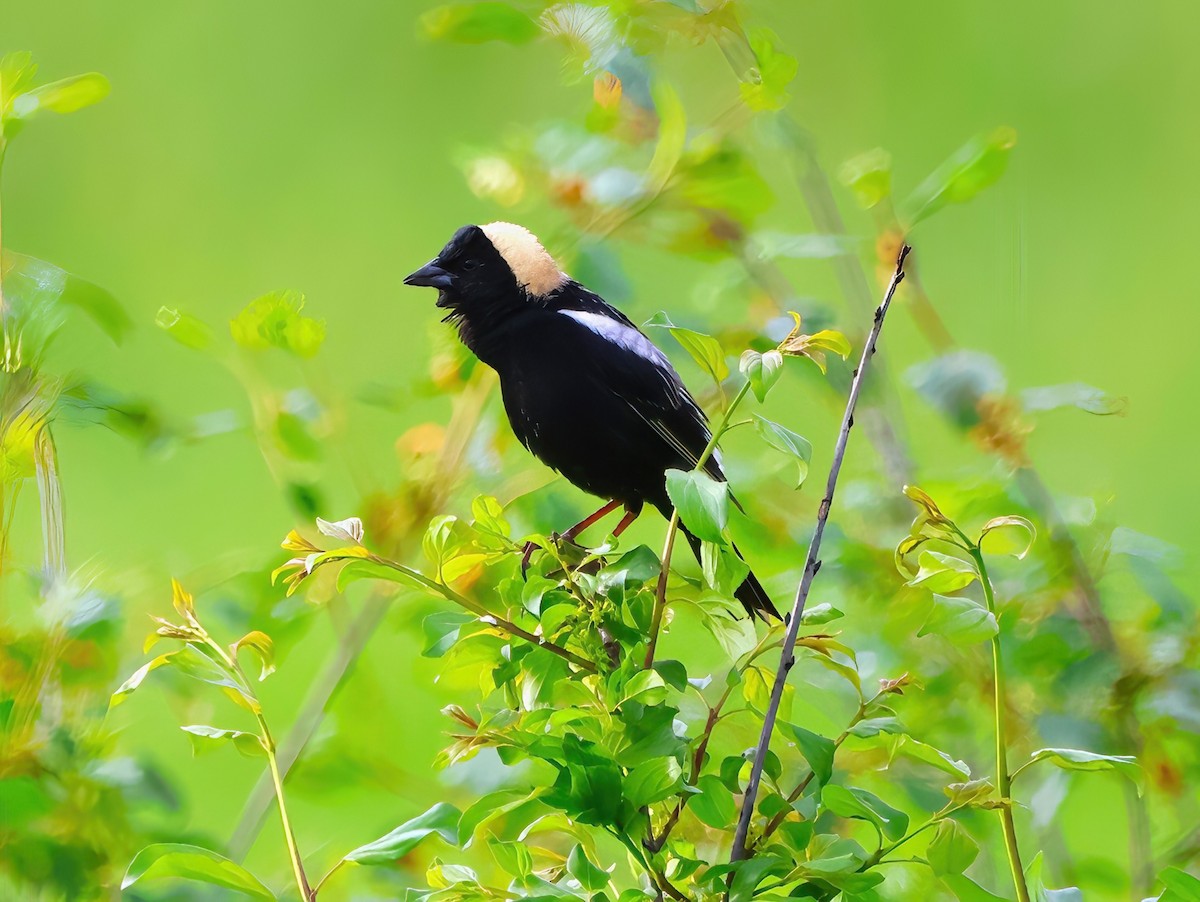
(811, 566)
(660, 591)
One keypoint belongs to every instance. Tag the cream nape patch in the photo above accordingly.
(534, 268)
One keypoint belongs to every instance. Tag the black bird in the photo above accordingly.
(584, 389)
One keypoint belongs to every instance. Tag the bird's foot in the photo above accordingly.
(526, 555)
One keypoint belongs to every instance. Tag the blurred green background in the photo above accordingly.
(252, 147)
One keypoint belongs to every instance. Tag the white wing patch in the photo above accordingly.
(531, 263)
(619, 334)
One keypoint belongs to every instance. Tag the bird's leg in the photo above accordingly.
(583, 524)
(570, 534)
(626, 521)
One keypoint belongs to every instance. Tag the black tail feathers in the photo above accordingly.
(750, 593)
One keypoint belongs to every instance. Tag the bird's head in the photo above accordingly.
(488, 266)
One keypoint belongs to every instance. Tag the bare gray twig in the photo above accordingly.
(811, 566)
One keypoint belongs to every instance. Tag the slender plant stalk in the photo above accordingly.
(660, 591)
(268, 744)
(1003, 780)
(467, 411)
(811, 566)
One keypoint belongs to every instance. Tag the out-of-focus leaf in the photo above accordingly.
(713, 804)
(184, 328)
(33, 287)
(954, 384)
(774, 245)
(1038, 890)
(477, 23)
(704, 349)
(869, 176)
(790, 443)
(205, 738)
(590, 877)
(952, 850)
(762, 371)
(294, 438)
(185, 862)
(1073, 394)
(672, 136)
(1077, 759)
(961, 620)
(702, 502)
(976, 165)
(275, 321)
(63, 96)
(766, 89)
(442, 819)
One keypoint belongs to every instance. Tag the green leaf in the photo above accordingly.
(34, 289)
(672, 138)
(205, 738)
(1073, 394)
(164, 860)
(702, 502)
(713, 804)
(863, 805)
(919, 751)
(674, 672)
(275, 321)
(967, 890)
(441, 819)
(819, 614)
(135, 680)
(264, 649)
(762, 371)
(705, 349)
(184, 328)
(442, 629)
(194, 661)
(514, 858)
(723, 569)
(477, 23)
(590, 877)
(971, 793)
(488, 808)
(751, 873)
(817, 750)
(873, 726)
(1178, 886)
(646, 687)
(1077, 759)
(976, 165)
(1007, 524)
(943, 572)
(653, 781)
(952, 850)
(790, 443)
(961, 620)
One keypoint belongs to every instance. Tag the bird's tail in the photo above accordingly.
(750, 593)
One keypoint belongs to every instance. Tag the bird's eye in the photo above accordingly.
(469, 265)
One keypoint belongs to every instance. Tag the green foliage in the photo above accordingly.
(580, 763)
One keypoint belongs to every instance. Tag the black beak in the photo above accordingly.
(430, 276)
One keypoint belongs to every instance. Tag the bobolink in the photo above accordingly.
(584, 389)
